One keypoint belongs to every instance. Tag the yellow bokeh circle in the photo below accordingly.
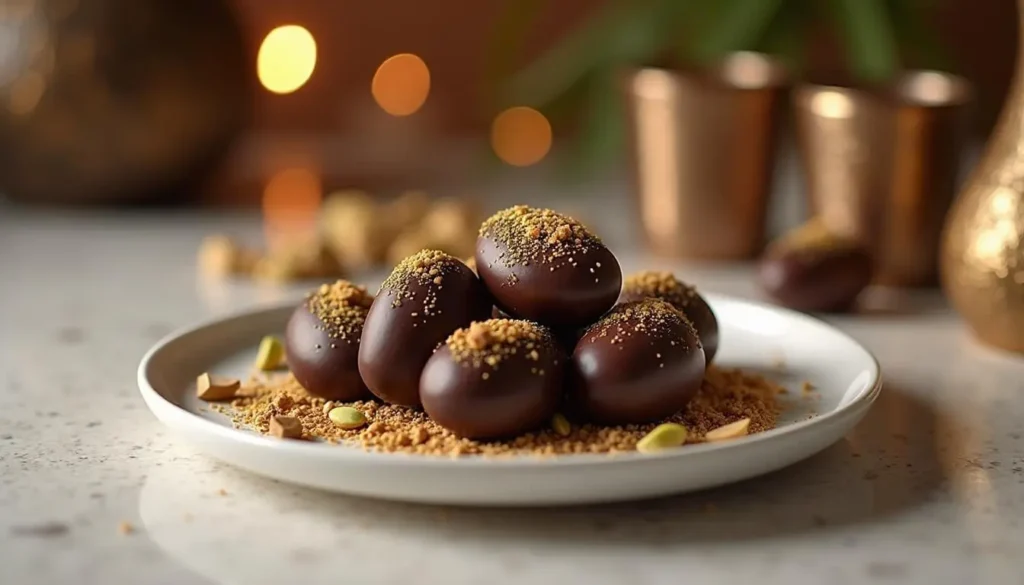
(286, 58)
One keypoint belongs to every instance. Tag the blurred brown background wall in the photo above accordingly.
(332, 119)
(451, 35)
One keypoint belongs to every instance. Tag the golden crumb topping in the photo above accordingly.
(529, 234)
(342, 308)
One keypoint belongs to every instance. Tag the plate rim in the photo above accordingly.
(168, 412)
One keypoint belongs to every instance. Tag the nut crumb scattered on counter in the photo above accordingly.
(125, 528)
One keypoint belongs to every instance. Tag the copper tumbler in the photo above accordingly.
(703, 146)
(882, 166)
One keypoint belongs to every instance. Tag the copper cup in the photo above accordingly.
(882, 165)
(703, 145)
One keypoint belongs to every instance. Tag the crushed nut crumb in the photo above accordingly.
(726, 396)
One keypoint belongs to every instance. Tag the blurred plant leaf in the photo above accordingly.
(621, 31)
(510, 31)
(698, 17)
(911, 26)
(786, 35)
(569, 105)
(870, 42)
(602, 128)
(741, 25)
(576, 78)
(577, 55)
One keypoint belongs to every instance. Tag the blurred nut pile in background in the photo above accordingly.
(366, 233)
(356, 232)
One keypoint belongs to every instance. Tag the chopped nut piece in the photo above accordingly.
(212, 388)
(347, 417)
(664, 436)
(296, 260)
(125, 528)
(220, 256)
(561, 425)
(285, 427)
(352, 223)
(246, 392)
(284, 402)
(270, 355)
(729, 431)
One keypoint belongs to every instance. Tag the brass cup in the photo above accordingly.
(703, 146)
(882, 166)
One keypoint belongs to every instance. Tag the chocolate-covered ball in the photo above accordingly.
(640, 363)
(494, 379)
(811, 269)
(546, 267)
(665, 286)
(322, 341)
(427, 297)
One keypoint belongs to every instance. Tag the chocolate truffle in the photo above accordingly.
(427, 297)
(322, 341)
(641, 362)
(494, 379)
(546, 267)
(665, 286)
(811, 269)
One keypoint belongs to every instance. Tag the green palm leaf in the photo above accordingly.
(870, 41)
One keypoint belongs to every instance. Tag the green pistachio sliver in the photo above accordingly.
(664, 436)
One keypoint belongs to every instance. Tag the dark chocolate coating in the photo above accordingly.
(816, 279)
(627, 383)
(512, 400)
(699, 312)
(396, 345)
(325, 366)
(564, 298)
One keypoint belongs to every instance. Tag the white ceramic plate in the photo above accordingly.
(786, 346)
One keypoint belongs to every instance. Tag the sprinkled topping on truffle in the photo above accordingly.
(658, 285)
(538, 235)
(428, 268)
(811, 238)
(651, 317)
(342, 308)
(493, 341)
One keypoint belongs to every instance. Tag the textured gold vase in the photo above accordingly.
(983, 241)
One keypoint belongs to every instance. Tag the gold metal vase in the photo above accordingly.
(983, 242)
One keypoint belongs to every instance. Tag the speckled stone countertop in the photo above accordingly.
(928, 489)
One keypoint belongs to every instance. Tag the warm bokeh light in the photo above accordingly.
(25, 94)
(521, 136)
(401, 84)
(286, 58)
(832, 104)
(291, 201)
